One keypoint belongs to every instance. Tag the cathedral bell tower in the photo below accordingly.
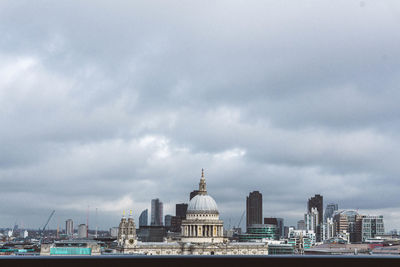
(202, 184)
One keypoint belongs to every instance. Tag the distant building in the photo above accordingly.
(318, 203)
(301, 225)
(372, 226)
(114, 231)
(168, 221)
(176, 223)
(301, 239)
(259, 232)
(82, 231)
(311, 220)
(328, 229)
(23, 234)
(156, 212)
(127, 231)
(394, 232)
(69, 227)
(193, 194)
(285, 231)
(152, 233)
(143, 218)
(71, 248)
(280, 249)
(348, 222)
(279, 224)
(181, 209)
(254, 208)
(330, 210)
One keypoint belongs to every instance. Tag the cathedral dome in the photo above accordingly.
(202, 204)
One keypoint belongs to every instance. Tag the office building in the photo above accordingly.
(280, 249)
(311, 220)
(318, 203)
(328, 229)
(348, 222)
(156, 212)
(168, 221)
(285, 231)
(260, 231)
(254, 209)
(193, 194)
(180, 214)
(143, 218)
(330, 210)
(371, 227)
(301, 225)
(181, 209)
(301, 239)
(69, 227)
(176, 223)
(82, 231)
(70, 248)
(114, 231)
(279, 224)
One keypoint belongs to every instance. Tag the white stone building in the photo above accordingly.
(202, 233)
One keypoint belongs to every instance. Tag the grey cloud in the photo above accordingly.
(112, 104)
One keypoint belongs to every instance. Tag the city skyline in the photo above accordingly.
(112, 104)
(254, 194)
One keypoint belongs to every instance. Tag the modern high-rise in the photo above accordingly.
(301, 225)
(82, 231)
(328, 229)
(180, 214)
(279, 224)
(318, 203)
(330, 210)
(254, 209)
(69, 227)
(194, 193)
(156, 212)
(348, 222)
(181, 209)
(168, 221)
(372, 226)
(143, 218)
(311, 220)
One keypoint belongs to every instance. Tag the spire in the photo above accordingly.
(130, 213)
(123, 214)
(202, 184)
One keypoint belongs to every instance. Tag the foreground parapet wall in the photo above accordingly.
(232, 261)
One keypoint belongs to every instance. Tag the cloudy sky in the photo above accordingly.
(109, 104)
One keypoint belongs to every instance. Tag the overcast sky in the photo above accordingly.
(109, 104)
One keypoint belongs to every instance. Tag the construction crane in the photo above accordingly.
(241, 219)
(44, 227)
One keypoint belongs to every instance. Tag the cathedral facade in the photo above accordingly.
(201, 233)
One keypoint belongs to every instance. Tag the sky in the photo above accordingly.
(108, 104)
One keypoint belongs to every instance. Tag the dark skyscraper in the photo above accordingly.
(180, 210)
(318, 203)
(193, 194)
(254, 208)
(180, 214)
(156, 212)
(143, 218)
